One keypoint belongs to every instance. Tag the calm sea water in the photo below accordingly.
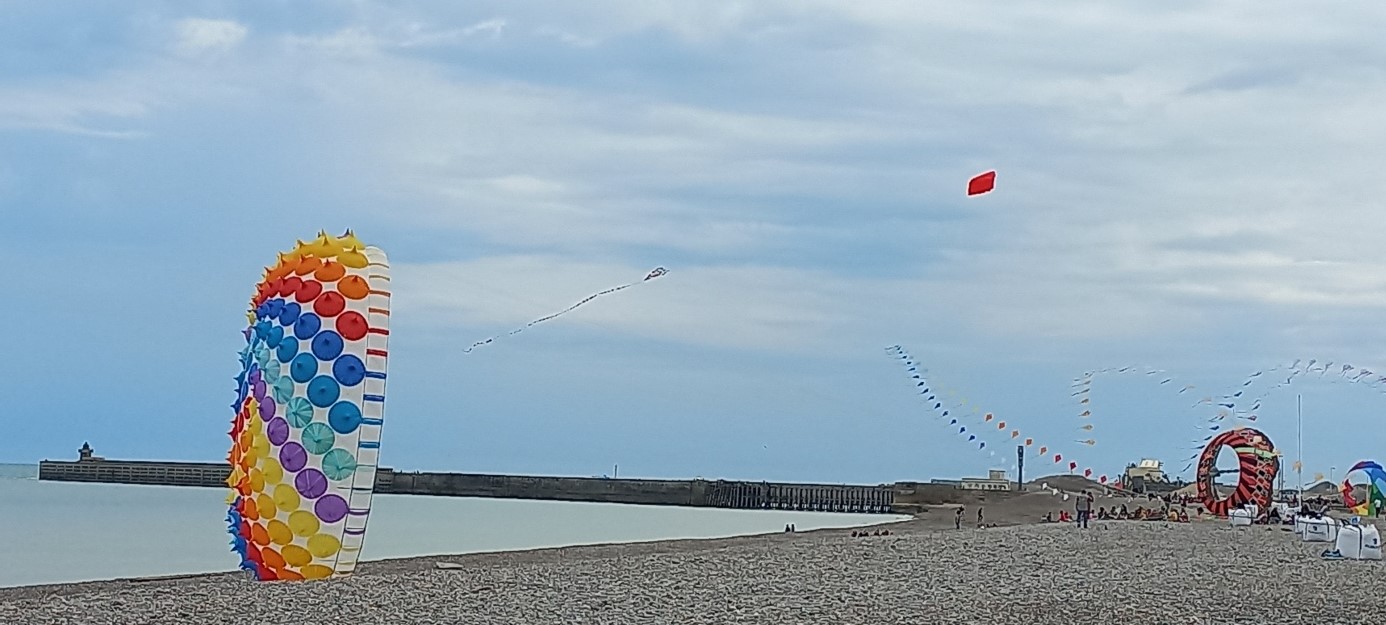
(67, 532)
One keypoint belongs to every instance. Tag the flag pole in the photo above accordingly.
(1299, 428)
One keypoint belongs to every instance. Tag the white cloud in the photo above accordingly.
(491, 27)
(353, 41)
(1187, 186)
(570, 38)
(199, 36)
(1143, 187)
(1114, 171)
(376, 38)
(71, 108)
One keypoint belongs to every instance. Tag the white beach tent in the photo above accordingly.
(1323, 530)
(1239, 517)
(1359, 542)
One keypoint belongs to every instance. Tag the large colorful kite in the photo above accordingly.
(309, 408)
(1257, 466)
(1375, 487)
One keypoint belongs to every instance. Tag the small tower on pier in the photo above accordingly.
(85, 454)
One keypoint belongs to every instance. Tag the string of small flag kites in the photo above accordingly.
(931, 399)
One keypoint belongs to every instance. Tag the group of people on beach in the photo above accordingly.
(958, 520)
(1083, 513)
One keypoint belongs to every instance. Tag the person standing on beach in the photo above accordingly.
(957, 522)
(979, 516)
(1084, 509)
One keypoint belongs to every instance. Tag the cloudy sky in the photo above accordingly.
(1189, 186)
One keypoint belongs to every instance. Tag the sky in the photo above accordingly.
(1189, 186)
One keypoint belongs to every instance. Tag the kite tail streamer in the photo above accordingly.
(655, 273)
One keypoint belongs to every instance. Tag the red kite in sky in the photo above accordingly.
(982, 183)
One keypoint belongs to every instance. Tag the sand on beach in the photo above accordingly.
(1115, 572)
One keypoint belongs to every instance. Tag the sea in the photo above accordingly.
(57, 532)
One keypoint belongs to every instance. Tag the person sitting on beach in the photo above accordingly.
(1048, 517)
(1063, 516)
(1173, 516)
(1123, 515)
(1183, 515)
(1102, 513)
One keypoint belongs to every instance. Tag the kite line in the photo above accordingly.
(654, 273)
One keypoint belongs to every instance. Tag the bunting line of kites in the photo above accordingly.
(931, 398)
(1083, 385)
(1240, 405)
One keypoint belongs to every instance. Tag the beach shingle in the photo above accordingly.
(1117, 572)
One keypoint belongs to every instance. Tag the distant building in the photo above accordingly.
(1148, 476)
(995, 480)
(1144, 474)
(1149, 469)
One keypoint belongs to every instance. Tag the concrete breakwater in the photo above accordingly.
(898, 498)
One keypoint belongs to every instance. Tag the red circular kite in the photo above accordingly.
(1256, 469)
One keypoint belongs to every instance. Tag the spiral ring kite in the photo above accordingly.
(1257, 468)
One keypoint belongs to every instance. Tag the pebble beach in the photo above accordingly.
(1114, 572)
